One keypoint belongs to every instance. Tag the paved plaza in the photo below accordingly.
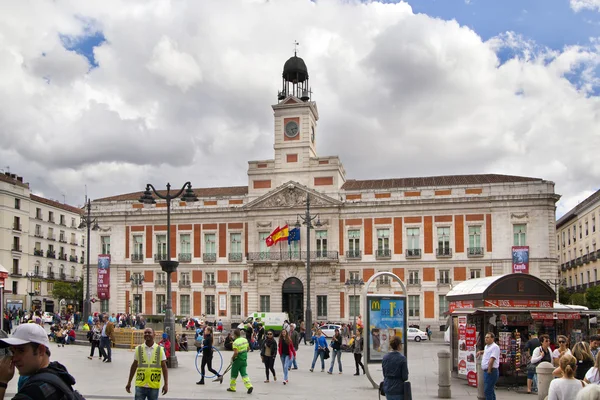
(96, 380)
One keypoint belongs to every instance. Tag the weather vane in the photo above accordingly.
(296, 44)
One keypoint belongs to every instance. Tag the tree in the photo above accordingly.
(564, 296)
(578, 299)
(592, 296)
(64, 290)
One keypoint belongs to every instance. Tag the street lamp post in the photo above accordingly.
(138, 281)
(91, 224)
(354, 283)
(168, 265)
(307, 220)
(557, 283)
(30, 276)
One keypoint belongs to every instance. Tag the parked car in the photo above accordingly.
(47, 317)
(416, 334)
(329, 329)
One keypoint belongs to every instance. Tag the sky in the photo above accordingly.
(102, 97)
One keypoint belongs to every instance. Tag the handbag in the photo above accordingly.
(407, 391)
(326, 353)
(198, 343)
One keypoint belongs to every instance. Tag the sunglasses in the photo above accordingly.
(561, 341)
(269, 334)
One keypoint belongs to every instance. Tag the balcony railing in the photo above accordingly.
(384, 282)
(51, 220)
(185, 284)
(39, 235)
(443, 252)
(16, 271)
(73, 258)
(593, 256)
(585, 259)
(444, 281)
(235, 257)
(17, 247)
(237, 284)
(51, 237)
(209, 284)
(63, 223)
(62, 257)
(160, 257)
(50, 254)
(209, 257)
(38, 252)
(81, 260)
(413, 253)
(414, 282)
(38, 216)
(74, 242)
(50, 275)
(62, 239)
(383, 253)
(160, 282)
(137, 258)
(62, 276)
(293, 256)
(185, 257)
(578, 262)
(353, 254)
(17, 227)
(474, 251)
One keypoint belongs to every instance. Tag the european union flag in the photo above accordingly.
(294, 235)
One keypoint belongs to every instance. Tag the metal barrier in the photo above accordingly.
(133, 337)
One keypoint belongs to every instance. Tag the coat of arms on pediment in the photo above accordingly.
(292, 195)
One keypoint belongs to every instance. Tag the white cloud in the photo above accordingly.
(183, 92)
(578, 5)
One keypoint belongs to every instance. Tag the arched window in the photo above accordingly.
(72, 271)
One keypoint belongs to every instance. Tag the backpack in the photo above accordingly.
(47, 377)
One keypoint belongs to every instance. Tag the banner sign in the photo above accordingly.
(520, 303)
(556, 315)
(520, 259)
(454, 305)
(386, 318)
(104, 276)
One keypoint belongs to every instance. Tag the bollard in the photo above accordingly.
(444, 384)
(544, 374)
(480, 387)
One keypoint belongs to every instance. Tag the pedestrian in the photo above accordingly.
(295, 336)
(31, 356)
(95, 341)
(345, 333)
(357, 349)
(249, 332)
(220, 326)
(106, 337)
(239, 362)
(567, 387)
(489, 364)
(541, 353)
(260, 335)
(336, 345)
(395, 371)
(593, 374)
(594, 343)
(320, 348)
(207, 356)
(585, 361)
(590, 392)
(561, 350)
(268, 353)
(286, 353)
(429, 332)
(303, 331)
(149, 365)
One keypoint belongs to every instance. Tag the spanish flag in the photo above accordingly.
(280, 233)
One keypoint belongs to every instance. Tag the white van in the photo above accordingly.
(270, 320)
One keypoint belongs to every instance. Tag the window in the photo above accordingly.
(262, 241)
(138, 245)
(15, 286)
(161, 303)
(265, 303)
(354, 275)
(105, 240)
(570, 281)
(581, 275)
(73, 240)
(51, 234)
(580, 231)
(383, 243)
(322, 307)
(586, 228)
(137, 303)
(236, 305)
(209, 301)
(38, 213)
(50, 287)
(354, 302)
(475, 273)
(184, 244)
(18, 204)
(235, 243)
(413, 278)
(563, 238)
(210, 243)
(588, 277)
(236, 277)
(444, 276)
(569, 235)
(413, 235)
(16, 266)
(36, 270)
(161, 278)
(413, 306)
(103, 306)
(161, 247)
(321, 237)
(210, 278)
(38, 231)
(136, 278)
(50, 216)
(63, 238)
(443, 234)
(37, 287)
(443, 306)
(574, 233)
(62, 220)
(73, 225)
(595, 275)
(519, 234)
(72, 271)
(593, 223)
(354, 243)
(184, 304)
(17, 224)
(474, 237)
(185, 278)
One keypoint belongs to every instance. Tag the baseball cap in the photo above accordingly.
(28, 333)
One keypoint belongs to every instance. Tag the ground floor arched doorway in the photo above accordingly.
(293, 299)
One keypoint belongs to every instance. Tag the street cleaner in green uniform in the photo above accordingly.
(149, 365)
(239, 362)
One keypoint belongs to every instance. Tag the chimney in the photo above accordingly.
(20, 179)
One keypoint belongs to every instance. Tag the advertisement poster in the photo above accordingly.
(471, 342)
(386, 318)
(104, 276)
(520, 259)
(462, 345)
(222, 302)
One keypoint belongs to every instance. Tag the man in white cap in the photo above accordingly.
(31, 356)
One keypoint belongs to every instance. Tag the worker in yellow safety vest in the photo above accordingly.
(149, 365)
(239, 362)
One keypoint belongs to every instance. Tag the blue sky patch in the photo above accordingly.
(84, 44)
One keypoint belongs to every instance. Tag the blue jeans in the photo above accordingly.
(105, 344)
(318, 353)
(142, 393)
(293, 363)
(489, 381)
(336, 354)
(285, 362)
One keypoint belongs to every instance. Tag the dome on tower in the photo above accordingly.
(294, 70)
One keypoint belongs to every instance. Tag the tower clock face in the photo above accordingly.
(291, 129)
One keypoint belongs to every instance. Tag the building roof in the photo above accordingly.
(15, 181)
(199, 192)
(572, 213)
(473, 286)
(449, 180)
(56, 204)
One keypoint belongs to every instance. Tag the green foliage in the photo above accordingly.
(578, 299)
(65, 290)
(564, 296)
(592, 296)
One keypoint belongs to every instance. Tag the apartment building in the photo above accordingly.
(576, 240)
(40, 243)
(432, 232)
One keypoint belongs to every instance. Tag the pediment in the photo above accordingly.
(292, 195)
